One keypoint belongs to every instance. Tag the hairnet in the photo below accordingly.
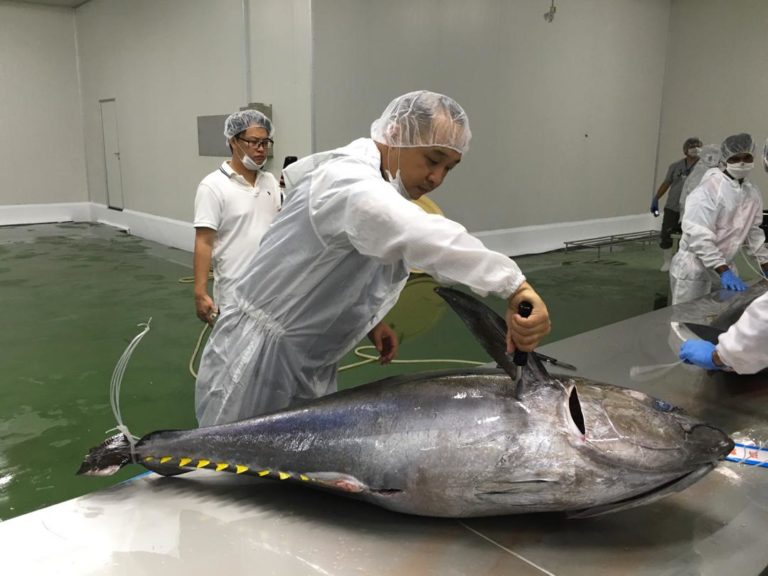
(710, 155)
(691, 142)
(244, 119)
(737, 144)
(423, 118)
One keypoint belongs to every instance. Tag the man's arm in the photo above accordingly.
(204, 304)
(662, 190)
(744, 347)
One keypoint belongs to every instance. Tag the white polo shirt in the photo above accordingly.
(240, 214)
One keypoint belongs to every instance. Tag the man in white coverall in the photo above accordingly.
(722, 213)
(336, 258)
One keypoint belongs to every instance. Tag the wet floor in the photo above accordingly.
(73, 295)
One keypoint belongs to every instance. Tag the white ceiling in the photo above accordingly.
(65, 3)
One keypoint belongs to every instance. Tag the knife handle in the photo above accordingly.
(524, 309)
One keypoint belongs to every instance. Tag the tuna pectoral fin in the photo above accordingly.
(336, 481)
(707, 333)
(656, 494)
(107, 458)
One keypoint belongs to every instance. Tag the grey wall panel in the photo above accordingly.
(210, 136)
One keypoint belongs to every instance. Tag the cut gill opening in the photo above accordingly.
(574, 407)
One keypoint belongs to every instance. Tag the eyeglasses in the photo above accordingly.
(258, 143)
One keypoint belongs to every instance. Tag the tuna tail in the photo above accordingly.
(490, 329)
(107, 458)
(708, 333)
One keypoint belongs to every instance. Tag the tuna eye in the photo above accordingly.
(662, 406)
(574, 407)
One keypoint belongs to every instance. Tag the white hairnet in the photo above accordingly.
(737, 144)
(423, 118)
(710, 155)
(244, 119)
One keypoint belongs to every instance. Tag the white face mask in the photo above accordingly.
(397, 184)
(249, 162)
(397, 181)
(739, 170)
(694, 152)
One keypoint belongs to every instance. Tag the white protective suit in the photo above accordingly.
(745, 346)
(720, 216)
(329, 268)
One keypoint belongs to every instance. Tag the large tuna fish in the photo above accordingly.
(456, 443)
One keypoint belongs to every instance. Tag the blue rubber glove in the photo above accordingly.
(729, 281)
(699, 352)
(655, 206)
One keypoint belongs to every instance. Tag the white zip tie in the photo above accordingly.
(114, 389)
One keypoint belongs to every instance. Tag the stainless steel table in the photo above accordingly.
(208, 523)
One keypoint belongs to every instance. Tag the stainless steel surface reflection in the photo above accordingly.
(205, 523)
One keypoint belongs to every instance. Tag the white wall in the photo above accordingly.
(565, 116)
(281, 58)
(717, 77)
(165, 63)
(168, 62)
(41, 136)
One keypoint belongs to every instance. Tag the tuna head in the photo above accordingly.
(627, 448)
(587, 447)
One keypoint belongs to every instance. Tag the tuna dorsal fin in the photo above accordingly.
(489, 328)
(704, 332)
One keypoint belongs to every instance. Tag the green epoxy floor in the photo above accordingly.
(73, 295)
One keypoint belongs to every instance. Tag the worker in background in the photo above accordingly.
(673, 182)
(234, 206)
(722, 213)
(709, 158)
(743, 348)
(337, 256)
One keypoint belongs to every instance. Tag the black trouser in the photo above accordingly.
(670, 224)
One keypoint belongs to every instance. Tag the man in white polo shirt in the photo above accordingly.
(234, 206)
